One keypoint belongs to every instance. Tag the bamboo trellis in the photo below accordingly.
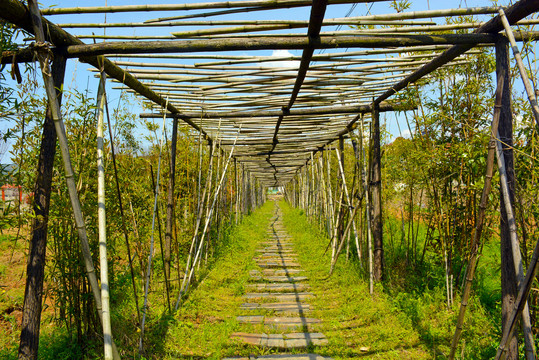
(290, 108)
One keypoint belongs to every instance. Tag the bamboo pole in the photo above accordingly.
(331, 213)
(519, 304)
(43, 57)
(271, 4)
(286, 43)
(346, 232)
(393, 16)
(515, 249)
(204, 231)
(170, 218)
(523, 73)
(335, 21)
(236, 178)
(329, 110)
(359, 169)
(348, 198)
(200, 211)
(102, 221)
(476, 242)
(122, 215)
(150, 256)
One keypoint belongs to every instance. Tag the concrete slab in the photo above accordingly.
(279, 296)
(284, 307)
(282, 357)
(278, 287)
(288, 341)
(275, 272)
(277, 264)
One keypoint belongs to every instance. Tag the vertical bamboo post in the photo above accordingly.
(35, 271)
(208, 189)
(170, 198)
(357, 178)
(150, 255)
(331, 207)
(44, 58)
(376, 184)
(122, 214)
(161, 247)
(515, 247)
(194, 240)
(322, 196)
(199, 184)
(313, 196)
(505, 129)
(340, 160)
(243, 191)
(366, 175)
(518, 307)
(206, 224)
(102, 221)
(470, 271)
(236, 179)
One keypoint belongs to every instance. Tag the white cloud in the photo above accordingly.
(406, 134)
(282, 55)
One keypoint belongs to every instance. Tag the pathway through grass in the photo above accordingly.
(356, 324)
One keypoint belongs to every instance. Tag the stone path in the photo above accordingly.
(280, 292)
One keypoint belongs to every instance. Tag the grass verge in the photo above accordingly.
(205, 321)
(390, 324)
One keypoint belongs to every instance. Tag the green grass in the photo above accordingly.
(356, 324)
(405, 319)
(205, 321)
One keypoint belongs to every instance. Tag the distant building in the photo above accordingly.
(11, 192)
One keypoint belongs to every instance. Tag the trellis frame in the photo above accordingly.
(272, 142)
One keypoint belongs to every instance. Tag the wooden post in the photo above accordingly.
(170, 197)
(358, 170)
(376, 188)
(33, 294)
(43, 57)
(505, 129)
(366, 177)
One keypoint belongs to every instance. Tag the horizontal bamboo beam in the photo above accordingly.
(271, 4)
(261, 43)
(327, 22)
(26, 55)
(292, 112)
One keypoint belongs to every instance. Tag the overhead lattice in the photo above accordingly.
(220, 72)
